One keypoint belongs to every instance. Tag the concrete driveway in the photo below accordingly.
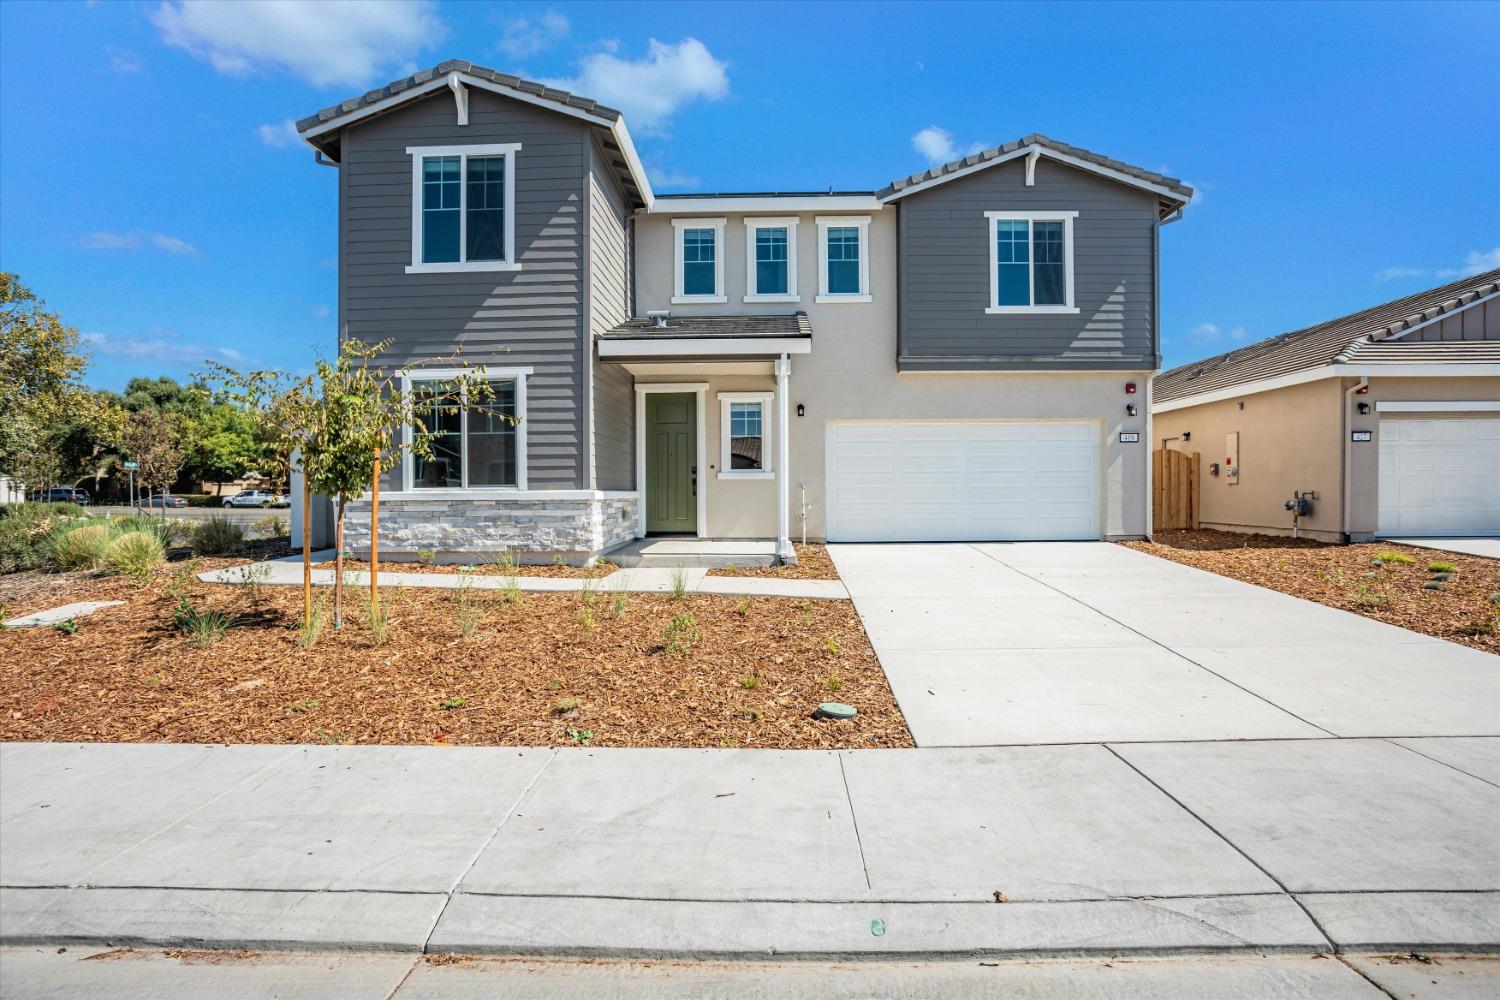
(1078, 642)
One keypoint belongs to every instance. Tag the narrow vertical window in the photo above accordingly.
(843, 260)
(491, 438)
(1014, 262)
(745, 438)
(440, 209)
(442, 414)
(771, 261)
(1047, 254)
(698, 266)
(485, 211)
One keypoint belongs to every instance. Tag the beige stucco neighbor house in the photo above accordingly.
(1388, 418)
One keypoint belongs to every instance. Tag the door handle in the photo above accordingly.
(695, 481)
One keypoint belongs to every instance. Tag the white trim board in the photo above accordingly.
(824, 223)
(516, 375)
(641, 347)
(1041, 150)
(1437, 369)
(679, 234)
(732, 204)
(1067, 306)
(767, 470)
(753, 224)
(1438, 406)
(505, 150)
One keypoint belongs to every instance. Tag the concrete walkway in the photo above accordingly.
(287, 572)
(1078, 642)
(1489, 547)
(1297, 846)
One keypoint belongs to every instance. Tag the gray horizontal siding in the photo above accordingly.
(532, 317)
(1478, 322)
(613, 425)
(945, 277)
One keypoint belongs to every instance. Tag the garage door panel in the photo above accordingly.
(963, 481)
(1439, 476)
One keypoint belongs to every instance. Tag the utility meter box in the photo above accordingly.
(1232, 457)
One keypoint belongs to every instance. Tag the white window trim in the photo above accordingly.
(1068, 307)
(824, 296)
(679, 227)
(417, 154)
(766, 470)
(752, 225)
(519, 376)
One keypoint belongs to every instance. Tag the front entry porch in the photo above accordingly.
(695, 553)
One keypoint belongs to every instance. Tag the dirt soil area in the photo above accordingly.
(813, 563)
(1461, 609)
(556, 571)
(548, 669)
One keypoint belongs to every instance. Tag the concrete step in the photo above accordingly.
(693, 553)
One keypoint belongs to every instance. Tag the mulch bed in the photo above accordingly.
(1338, 575)
(530, 674)
(554, 570)
(813, 563)
(37, 590)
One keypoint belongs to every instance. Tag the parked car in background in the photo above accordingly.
(255, 498)
(61, 494)
(163, 500)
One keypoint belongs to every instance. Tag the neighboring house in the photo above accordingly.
(955, 356)
(1391, 416)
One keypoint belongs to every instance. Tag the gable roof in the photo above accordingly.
(1173, 193)
(323, 130)
(1370, 336)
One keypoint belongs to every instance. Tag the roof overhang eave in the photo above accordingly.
(715, 347)
(1383, 369)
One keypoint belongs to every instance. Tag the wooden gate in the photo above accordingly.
(1174, 490)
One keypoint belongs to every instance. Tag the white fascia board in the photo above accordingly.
(795, 203)
(1071, 161)
(633, 161)
(703, 346)
(1375, 370)
(1438, 406)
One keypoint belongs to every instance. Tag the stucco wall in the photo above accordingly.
(851, 375)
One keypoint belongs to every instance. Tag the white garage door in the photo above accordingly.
(1439, 477)
(933, 482)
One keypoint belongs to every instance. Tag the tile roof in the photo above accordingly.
(792, 325)
(1362, 337)
(457, 66)
(1177, 187)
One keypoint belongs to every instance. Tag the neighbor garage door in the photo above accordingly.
(932, 481)
(1439, 476)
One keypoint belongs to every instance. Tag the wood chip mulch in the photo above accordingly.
(813, 563)
(1341, 576)
(597, 571)
(531, 674)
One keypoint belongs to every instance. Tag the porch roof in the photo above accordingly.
(708, 336)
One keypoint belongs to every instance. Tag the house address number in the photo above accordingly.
(1361, 435)
(1130, 437)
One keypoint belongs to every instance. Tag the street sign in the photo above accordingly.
(131, 465)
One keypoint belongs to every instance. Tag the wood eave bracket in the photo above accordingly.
(460, 97)
(1031, 158)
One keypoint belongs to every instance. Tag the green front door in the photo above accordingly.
(671, 450)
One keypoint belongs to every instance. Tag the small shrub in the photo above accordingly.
(588, 594)
(466, 609)
(743, 608)
(1367, 597)
(305, 705)
(378, 621)
(807, 615)
(81, 547)
(202, 626)
(27, 529)
(832, 684)
(136, 554)
(329, 737)
(832, 645)
(1479, 627)
(449, 704)
(426, 556)
(217, 536)
(311, 627)
(619, 600)
(565, 706)
(68, 626)
(1441, 567)
(750, 682)
(272, 526)
(1394, 557)
(181, 584)
(679, 583)
(581, 738)
(682, 633)
(586, 619)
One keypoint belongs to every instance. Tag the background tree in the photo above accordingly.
(154, 439)
(41, 368)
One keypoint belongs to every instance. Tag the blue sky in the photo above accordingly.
(1345, 153)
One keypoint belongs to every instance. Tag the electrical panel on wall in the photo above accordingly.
(1232, 457)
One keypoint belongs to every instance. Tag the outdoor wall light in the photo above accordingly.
(801, 410)
(1187, 435)
(1130, 409)
(1364, 407)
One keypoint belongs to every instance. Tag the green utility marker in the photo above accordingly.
(837, 710)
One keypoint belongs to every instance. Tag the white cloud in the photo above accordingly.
(333, 42)
(321, 311)
(937, 146)
(123, 60)
(1477, 262)
(663, 177)
(1392, 273)
(106, 240)
(159, 348)
(652, 89)
(527, 36)
(280, 135)
(1212, 333)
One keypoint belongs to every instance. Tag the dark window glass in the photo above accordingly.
(771, 261)
(440, 200)
(441, 413)
(486, 208)
(492, 438)
(698, 277)
(843, 260)
(1011, 246)
(1047, 252)
(746, 443)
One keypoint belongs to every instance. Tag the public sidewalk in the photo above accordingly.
(287, 571)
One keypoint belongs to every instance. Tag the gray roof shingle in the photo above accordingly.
(793, 325)
(1362, 337)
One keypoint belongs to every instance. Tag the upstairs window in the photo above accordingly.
(1031, 262)
(699, 260)
(844, 265)
(463, 208)
(476, 444)
(771, 260)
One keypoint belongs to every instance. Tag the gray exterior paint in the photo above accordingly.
(612, 425)
(532, 317)
(944, 279)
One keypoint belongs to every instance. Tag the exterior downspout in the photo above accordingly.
(1344, 453)
(784, 550)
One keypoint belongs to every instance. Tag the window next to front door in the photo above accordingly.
(745, 435)
(463, 208)
(1031, 262)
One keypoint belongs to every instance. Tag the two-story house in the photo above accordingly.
(963, 354)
